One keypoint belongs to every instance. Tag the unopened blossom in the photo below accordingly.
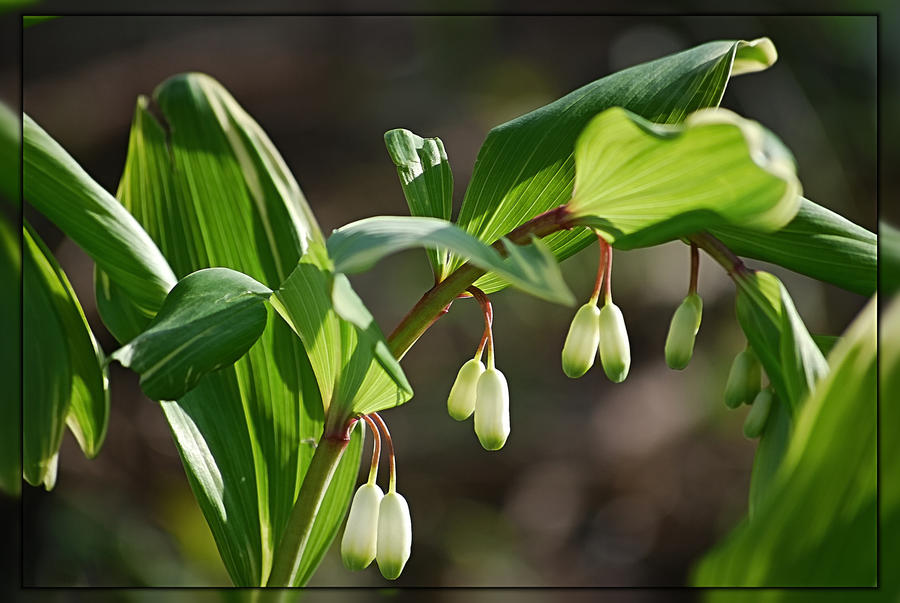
(582, 341)
(683, 331)
(492, 410)
(615, 351)
(759, 414)
(359, 543)
(743, 379)
(461, 402)
(394, 535)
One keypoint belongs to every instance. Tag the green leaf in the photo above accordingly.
(208, 321)
(351, 361)
(785, 348)
(427, 183)
(10, 359)
(818, 243)
(359, 245)
(890, 258)
(818, 525)
(9, 155)
(643, 184)
(773, 443)
(212, 190)
(61, 190)
(526, 167)
(46, 375)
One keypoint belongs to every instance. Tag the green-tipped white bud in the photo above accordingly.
(615, 352)
(743, 379)
(358, 546)
(759, 414)
(461, 402)
(492, 410)
(394, 535)
(682, 331)
(582, 341)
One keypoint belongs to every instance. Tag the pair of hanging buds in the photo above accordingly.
(481, 390)
(600, 330)
(743, 387)
(378, 526)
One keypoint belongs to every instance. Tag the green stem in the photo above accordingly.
(429, 306)
(293, 542)
(718, 251)
(337, 427)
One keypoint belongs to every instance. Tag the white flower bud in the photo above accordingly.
(461, 402)
(758, 415)
(492, 410)
(394, 535)
(743, 379)
(615, 352)
(581, 344)
(682, 331)
(359, 543)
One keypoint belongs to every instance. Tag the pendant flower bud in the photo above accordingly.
(359, 543)
(394, 535)
(682, 332)
(743, 379)
(492, 410)
(461, 402)
(582, 341)
(615, 352)
(759, 414)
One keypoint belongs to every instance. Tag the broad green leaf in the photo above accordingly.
(526, 166)
(359, 245)
(351, 361)
(427, 183)
(46, 376)
(10, 359)
(785, 348)
(643, 184)
(818, 525)
(61, 190)
(208, 321)
(817, 242)
(211, 190)
(890, 258)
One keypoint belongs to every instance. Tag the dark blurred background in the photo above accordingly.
(599, 484)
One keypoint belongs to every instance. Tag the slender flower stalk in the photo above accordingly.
(615, 351)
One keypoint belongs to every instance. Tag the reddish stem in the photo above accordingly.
(376, 448)
(695, 268)
(390, 447)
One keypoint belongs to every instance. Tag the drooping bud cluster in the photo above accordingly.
(481, 390)
(379, 525)
(600, 330)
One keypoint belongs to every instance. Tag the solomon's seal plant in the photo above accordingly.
(267, 365)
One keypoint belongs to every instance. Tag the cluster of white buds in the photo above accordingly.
(600, 330)
(378, 526)
(481, 390)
